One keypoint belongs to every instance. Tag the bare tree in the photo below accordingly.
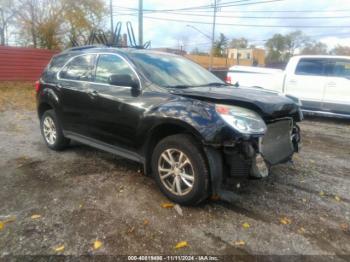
(341, 50)
(6, 15)
(315, 48)
(238, 43)
(51, 23)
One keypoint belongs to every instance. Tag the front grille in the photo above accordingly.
(277, 145)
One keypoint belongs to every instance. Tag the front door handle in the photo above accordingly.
(93, 93)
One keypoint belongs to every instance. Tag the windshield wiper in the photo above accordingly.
(188, 86)
(179, 86)
(214, 84)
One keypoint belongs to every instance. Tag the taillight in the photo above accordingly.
(37, 86)
(228, 79)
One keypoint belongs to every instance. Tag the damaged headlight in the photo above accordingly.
(241, 119)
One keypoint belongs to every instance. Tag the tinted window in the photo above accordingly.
(108, 65)
(310, 67)
(80, 68)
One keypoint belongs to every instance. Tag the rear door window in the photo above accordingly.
(314, 67)
(80, 68)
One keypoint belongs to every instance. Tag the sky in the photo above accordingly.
(328, 21)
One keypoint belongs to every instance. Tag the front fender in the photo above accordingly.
(197, 116)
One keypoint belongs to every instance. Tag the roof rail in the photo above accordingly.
(78, 48)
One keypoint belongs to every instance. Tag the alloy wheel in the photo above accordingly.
(176, 172)
(49, 130)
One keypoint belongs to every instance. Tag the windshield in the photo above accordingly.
(174, 71)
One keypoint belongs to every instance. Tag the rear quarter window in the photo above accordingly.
(79, 68)
(55, 65)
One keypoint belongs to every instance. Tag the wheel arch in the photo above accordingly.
(163, 130)
(43, 107)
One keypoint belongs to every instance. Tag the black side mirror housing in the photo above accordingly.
(123, 80)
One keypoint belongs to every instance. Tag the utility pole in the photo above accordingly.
(213, 37)
(140, 22)
(111, 14)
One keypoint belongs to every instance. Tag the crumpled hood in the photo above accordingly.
(269, 104)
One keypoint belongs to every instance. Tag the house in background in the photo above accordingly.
(247, 56)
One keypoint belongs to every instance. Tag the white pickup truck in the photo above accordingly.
(322, 83)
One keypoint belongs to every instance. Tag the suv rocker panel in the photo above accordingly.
(105, 147)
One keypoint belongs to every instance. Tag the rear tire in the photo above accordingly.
(51, 131)
(180, 169)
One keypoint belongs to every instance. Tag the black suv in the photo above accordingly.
(188, 128)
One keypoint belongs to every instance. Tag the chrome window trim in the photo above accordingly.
(95, 66)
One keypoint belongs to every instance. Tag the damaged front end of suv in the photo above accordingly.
(254, 130)
(261, 144)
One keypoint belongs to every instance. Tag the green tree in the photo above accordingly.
(275, 48)
(220, 45)
(281, 47)
(238, 43)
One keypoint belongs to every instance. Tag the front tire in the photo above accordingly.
(180, 169)
(52, 132)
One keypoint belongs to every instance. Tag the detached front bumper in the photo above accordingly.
(256, 156)
(278, 145)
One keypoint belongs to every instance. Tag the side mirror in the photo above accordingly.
(123, 80)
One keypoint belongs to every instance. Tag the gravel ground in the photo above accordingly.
(71, 199)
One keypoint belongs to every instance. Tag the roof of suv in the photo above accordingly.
(104, 49)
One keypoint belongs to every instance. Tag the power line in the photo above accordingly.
(227, 4)
(184, 8)
(250, 17)
(247, 25)
(251, 11)
(266, 17)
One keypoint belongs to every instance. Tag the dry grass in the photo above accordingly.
(17, 96)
